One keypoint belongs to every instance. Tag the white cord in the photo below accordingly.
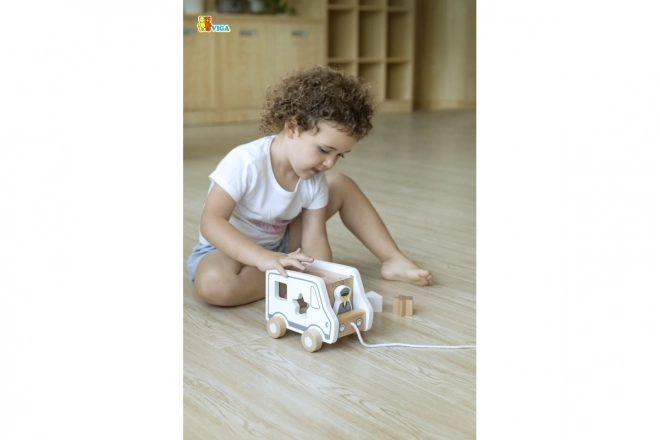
(408, 345)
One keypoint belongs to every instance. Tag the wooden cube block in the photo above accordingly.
(403, 305)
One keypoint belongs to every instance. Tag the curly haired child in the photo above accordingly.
(271, 195)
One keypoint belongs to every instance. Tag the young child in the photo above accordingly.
(271, 196)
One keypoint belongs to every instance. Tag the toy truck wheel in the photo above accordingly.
(311, 340)
(276, 327)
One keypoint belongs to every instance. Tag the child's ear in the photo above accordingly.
(290, 128)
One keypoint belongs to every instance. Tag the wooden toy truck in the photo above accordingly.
(320, 303)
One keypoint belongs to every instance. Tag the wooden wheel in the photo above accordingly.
(276, 327)
(311, 340)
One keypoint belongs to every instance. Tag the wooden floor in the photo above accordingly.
(419, 172)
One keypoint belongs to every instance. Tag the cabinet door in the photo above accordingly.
(298, 45)
(245, 56)
(199, 70)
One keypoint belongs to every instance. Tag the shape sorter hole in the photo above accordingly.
(302, 305)
(281, 289)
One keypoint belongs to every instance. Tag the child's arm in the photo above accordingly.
(314, 234)
(215, 227)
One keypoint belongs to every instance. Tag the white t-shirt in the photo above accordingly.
(263, 208)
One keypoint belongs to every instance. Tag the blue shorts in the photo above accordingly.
(201, 249)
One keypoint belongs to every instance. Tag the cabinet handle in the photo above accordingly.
(189, 32)
(248, 32)
(299, 33)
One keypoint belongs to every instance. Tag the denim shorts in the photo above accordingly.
(202, 249)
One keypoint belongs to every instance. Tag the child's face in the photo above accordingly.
(311, 154)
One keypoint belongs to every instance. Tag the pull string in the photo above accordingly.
(408, 345)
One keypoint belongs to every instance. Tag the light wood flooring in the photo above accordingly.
(419, 172)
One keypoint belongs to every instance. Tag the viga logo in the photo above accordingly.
(205, 25)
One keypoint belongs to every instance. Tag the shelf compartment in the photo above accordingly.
(370, 60)
(340, 7)
(399, 81)
(406, 4)
(399, 42)
(371, 8)
(341, 34)
(397, 9)
(375, 74)
(397, 59)
(375, 3)
(371, 32)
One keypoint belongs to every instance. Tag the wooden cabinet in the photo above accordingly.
(374, 39)
(226, 75)
(299, 44)
(200, 93)
(245, 55)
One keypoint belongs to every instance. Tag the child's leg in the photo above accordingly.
(223, 281)
(361, 218)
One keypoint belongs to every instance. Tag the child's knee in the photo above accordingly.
(339, 180)
(214, 288)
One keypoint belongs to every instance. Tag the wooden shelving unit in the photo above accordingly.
(374, 39)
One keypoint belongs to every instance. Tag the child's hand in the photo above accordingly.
(278, 261)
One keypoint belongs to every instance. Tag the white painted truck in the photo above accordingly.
(320, 303)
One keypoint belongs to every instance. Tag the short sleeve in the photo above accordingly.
(320, 196)
(234, 174)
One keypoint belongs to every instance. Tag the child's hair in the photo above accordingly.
(311, 95)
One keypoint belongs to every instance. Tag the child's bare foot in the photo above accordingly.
(401, 268)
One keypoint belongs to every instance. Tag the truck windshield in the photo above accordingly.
(313, 298)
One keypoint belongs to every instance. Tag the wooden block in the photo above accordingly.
(403, 305)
